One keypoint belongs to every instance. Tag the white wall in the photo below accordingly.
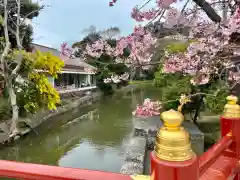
(51, 80)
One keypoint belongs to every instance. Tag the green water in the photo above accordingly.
(91, 137)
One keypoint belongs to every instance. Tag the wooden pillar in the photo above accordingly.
(173, 158)
(230, 125)
(230, 113)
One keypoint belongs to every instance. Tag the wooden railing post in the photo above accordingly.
(231, 112)
(173, 158)
(230, 125)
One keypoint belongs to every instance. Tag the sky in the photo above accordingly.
(65, 20)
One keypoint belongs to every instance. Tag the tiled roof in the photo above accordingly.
(77, 62)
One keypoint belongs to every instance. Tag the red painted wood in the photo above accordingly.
(29, 171)
(166, 170)
(221, 169)
(237, 177)
(209, 157)
(236, 136)
(226, 125)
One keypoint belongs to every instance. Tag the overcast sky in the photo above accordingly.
(65, 20)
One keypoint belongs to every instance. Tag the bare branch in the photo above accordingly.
(184, 7)
(18, 25)
(144, 4)
(19, 45)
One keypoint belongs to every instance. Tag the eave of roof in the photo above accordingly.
(76, 62)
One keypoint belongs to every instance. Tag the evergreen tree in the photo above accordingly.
(29, 9)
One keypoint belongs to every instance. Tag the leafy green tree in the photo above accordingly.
(29, 10)
(16, 64)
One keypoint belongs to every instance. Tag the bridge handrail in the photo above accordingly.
(30, 171)
(210, 156)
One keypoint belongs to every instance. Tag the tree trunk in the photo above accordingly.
(224, 11)
(211, 13)
(15, 113)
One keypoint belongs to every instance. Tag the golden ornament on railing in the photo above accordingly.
(140, 177)
(231, 109)
(173, 142)
(143, 177)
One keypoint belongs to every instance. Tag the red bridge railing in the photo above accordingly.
(29, 171)
(220, 162)
(212, 155)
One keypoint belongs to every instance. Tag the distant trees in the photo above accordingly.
(93, 35)
(105, 63)
(110, 33)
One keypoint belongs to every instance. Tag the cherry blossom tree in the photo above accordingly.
(213, 40)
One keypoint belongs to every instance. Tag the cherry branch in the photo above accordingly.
(161, 13)
(206, 7)
(144, 4)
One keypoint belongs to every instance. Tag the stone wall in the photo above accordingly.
(142, 143)
(43, 115)
(135, 156)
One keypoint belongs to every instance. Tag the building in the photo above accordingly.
(75, 76)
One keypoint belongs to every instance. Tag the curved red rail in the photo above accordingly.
(29, 171)
(209, 157)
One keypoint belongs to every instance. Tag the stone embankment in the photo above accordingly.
(142, 143)
(28, 124)
(144, 129)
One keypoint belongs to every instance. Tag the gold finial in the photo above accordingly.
(183, 100)
(143, 177)
(140, 177)
(172, 119)
(172, 143)
(231, 109)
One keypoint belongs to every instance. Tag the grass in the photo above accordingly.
(141, 82)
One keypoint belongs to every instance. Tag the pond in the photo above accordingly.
(90, 137)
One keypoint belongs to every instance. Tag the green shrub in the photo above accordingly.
(5, 109)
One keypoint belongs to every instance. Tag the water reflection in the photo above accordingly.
(79, 157)
(92, 137)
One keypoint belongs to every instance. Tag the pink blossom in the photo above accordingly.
(140, 42)
(164, 3)
(148, 108)
(98, 48)
(234, 22)
(65, 50)
(203, 56)
(117, 79)
(173, 17)
(141, 16)
(203, 79)
(234, 76)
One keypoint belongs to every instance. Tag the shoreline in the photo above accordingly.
(69, 102)
(33, 121)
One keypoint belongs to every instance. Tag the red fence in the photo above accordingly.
(212, 155)
(43, 172)
(218, 163)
